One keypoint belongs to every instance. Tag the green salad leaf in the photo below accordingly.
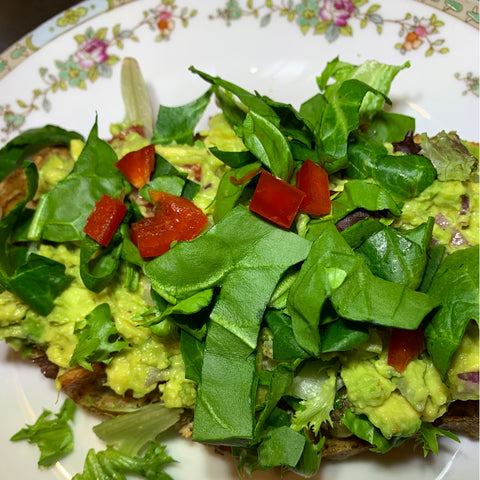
(53, 436)
(29, 142)
(131, 432)
(111, 463)
(97, 338)
(455, 286)
(177, 124)
(60, 216)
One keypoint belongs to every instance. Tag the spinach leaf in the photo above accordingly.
(98, 265)
(253, 102)
(8, 222)
(29, 142)
(97, 338)
(404, 176)
(231, 187)
(378, 76)
(281, 446)
(390, 127)
(177, 124)
(312, 112)
(268, 144)
(455, 286)
(362, 428)
(342, 335)
(240, 246)
(233, 159)
(62, 216)
(167, 178)
(192, 354)
(311, 458)
(225, 397)
(39, 281)
(285, 347)
(281, 378)
(394, 256)
(332, 270)
(339, 119)
(434, 259)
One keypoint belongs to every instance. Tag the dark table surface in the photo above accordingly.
(18, 17)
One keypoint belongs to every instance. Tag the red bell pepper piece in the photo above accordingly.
(312, 179)
(104, 219)
(175, 219)
(404, 346)
(138, 166)
(276, 200)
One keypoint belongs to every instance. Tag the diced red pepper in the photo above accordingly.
(105, 218)
(276, 200)
(312, 179)
(176, 219)
(404, 346)
(138, 166)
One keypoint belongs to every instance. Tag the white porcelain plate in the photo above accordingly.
(67, 71)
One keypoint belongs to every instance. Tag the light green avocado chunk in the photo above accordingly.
(396, 403)
(465, 365)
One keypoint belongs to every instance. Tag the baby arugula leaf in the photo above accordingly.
(455, 286)
(97, 338)
(111, 463)
(54, 437)
(177, 124)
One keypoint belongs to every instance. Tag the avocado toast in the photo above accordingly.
(287, 337)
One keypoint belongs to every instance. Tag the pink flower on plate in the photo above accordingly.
(424, 28)
(92, 51)
(337, 11)
(165, 22)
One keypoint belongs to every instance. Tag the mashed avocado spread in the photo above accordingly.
(396, 403)
(150, 361)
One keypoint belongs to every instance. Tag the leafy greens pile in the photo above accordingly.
(312, 290)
